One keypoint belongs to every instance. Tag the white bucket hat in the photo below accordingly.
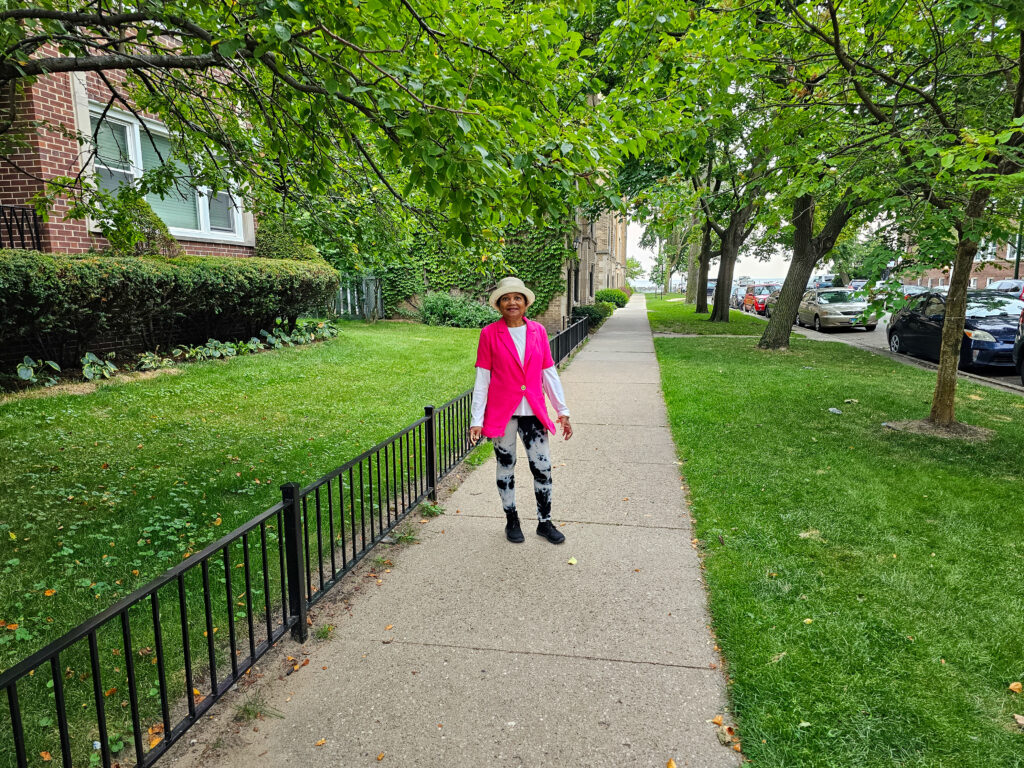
(511, 285)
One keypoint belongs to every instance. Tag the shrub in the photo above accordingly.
(596, 313)
(613, 295)
(275, 239)
(455, 311)
(132, 228)
(53, 300)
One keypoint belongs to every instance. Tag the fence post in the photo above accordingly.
(431, 449)
(294, 540)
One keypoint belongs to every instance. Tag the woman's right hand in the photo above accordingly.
(475, 434)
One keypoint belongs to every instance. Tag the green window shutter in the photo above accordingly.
(112, 144)
(178, 207)
(222, 212)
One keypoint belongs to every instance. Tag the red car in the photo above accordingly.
(757, 297)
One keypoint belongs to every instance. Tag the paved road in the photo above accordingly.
(877, 339)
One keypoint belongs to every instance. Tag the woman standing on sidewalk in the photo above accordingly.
(514, 370)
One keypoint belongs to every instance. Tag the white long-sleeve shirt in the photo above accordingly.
(551, 382)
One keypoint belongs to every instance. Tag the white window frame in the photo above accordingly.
(204, 233)
(974, 282)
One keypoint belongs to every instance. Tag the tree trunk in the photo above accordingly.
(805, 256)
(702, 272)
(732, 238)
(943, 411)
(720, 307)
(692, 264)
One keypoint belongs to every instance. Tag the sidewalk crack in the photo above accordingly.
(583, 657)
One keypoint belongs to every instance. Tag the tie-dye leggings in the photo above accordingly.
(535, 439)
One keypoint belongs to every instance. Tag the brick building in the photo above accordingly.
(51, 111)
(991, 264)
(601, 251)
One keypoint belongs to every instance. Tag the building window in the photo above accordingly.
(940, 283)
(576, 285)
(124, 151)
(989, 281)
(591, 281)
(974, 282)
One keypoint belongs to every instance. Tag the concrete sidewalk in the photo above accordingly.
(507, 655)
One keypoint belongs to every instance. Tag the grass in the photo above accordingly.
(676, 317)
(905, 553)
(106, 490)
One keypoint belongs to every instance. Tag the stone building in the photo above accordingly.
(600, 247)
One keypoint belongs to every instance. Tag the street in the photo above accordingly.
(877, 339)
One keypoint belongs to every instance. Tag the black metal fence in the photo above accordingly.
(20, 227)
(130, 681)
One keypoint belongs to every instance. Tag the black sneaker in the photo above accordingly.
(512, 530)
(548, 531)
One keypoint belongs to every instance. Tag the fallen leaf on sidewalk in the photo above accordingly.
(717, 720)
(671, 763)
(571, 561)
(321, 742)
(380, 757)
(389, 627)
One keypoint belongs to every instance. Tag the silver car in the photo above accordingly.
(825, 308)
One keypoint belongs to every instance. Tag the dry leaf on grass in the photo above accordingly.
(1019, 719)
(1016, 687)
(46, 756)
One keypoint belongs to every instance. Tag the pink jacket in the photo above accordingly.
(510, 381)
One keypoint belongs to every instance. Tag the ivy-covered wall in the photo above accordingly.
(535, 256)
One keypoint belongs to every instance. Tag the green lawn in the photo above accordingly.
(866, 586)
(106, 490)
(667, 316)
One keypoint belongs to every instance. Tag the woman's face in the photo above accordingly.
(512, 306)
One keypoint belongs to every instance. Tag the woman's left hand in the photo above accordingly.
(566, 427)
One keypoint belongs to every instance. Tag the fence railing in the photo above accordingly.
(20, 227)
(133, 679)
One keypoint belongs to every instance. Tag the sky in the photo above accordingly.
(775, 268)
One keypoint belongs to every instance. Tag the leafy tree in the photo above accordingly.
(634, 269)
(483, 107)
(938, 99)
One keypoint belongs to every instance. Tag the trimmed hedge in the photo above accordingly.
(56, 300)
(613, 295)
(596, 313)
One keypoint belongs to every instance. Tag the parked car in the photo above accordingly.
(755, 297)
(1018, 348)
(821, 281)
(857, 284)
(1015, 287)
(736, 297)
(990, 328)
(771, 301)
(912, 290)
(828, 308)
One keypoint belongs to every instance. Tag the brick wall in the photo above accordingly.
(49, 153)
(984, 272)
